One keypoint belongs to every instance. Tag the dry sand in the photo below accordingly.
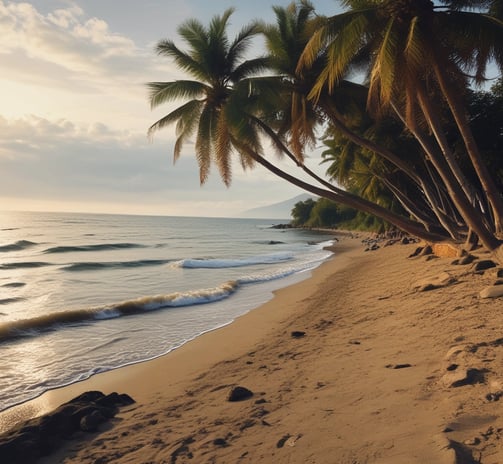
(385, 373)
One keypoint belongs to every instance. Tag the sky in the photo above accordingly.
(74, 110)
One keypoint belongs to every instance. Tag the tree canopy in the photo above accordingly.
(413, 142)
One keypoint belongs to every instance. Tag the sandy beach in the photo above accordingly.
(377, 358)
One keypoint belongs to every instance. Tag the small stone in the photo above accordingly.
(402, 366)
(298, 334)
(416, 252)
(468, 259)
(472, 441)
(239, 394)
(494, 396)
(427, 250)
(220, 442)
(282, 440)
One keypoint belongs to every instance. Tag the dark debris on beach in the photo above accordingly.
(31, 440)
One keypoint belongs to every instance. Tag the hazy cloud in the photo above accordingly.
(75, 113)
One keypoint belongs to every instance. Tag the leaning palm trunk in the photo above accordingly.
(422, 184)
(345, 198)
(431, 115)
(408, 205)
(491, 192)
(456, 194)
(422, 216)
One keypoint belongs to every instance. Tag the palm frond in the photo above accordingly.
(162, 92)
(185, 61)
(382, 78)
(203, 143)
(223, 149)
(415, 47)
(242, 42)
(248, 68)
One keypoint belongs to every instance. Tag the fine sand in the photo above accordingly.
(401, 362)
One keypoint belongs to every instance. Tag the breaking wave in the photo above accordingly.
(54, 321)
(211, 263)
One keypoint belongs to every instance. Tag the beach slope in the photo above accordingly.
(377, 358)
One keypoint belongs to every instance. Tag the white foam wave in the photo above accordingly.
(226, 263)
(176, 299)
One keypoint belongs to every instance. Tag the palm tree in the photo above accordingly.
(416, 50)
(217, 65)
(286, 41)
(228, 110)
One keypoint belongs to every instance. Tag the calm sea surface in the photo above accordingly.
(82, 294)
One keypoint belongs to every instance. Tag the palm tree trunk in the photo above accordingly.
(428, 222)
(337, 121)
(491, 192)
(471, 217)
(345, 198)
(431, 115)
(408, 206)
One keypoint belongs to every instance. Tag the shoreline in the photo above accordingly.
(107, 380)
(401, 361)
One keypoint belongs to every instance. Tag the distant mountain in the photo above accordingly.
(280, 210)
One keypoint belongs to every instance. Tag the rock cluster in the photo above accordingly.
(40, 436)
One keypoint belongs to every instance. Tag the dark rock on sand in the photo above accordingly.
(239, 394)
(495, 396)
(298, 334)
(399, 366)
(282, 440)
(468, 259)
(29, 441)
(416, 252)
(483, 265)
(220, 442)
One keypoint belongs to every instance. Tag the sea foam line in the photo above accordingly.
(214, 263)
(36, 325)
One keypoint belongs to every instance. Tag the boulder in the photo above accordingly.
(29, 441)
(91, 421)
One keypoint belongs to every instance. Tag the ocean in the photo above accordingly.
(83, 293)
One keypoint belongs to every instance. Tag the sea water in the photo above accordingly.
(82, 294)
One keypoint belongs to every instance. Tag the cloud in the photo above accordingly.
(75, 115)
(63, 37)
(67, 64)
(43, 156)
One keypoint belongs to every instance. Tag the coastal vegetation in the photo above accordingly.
(323, 213)
(390, 88)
